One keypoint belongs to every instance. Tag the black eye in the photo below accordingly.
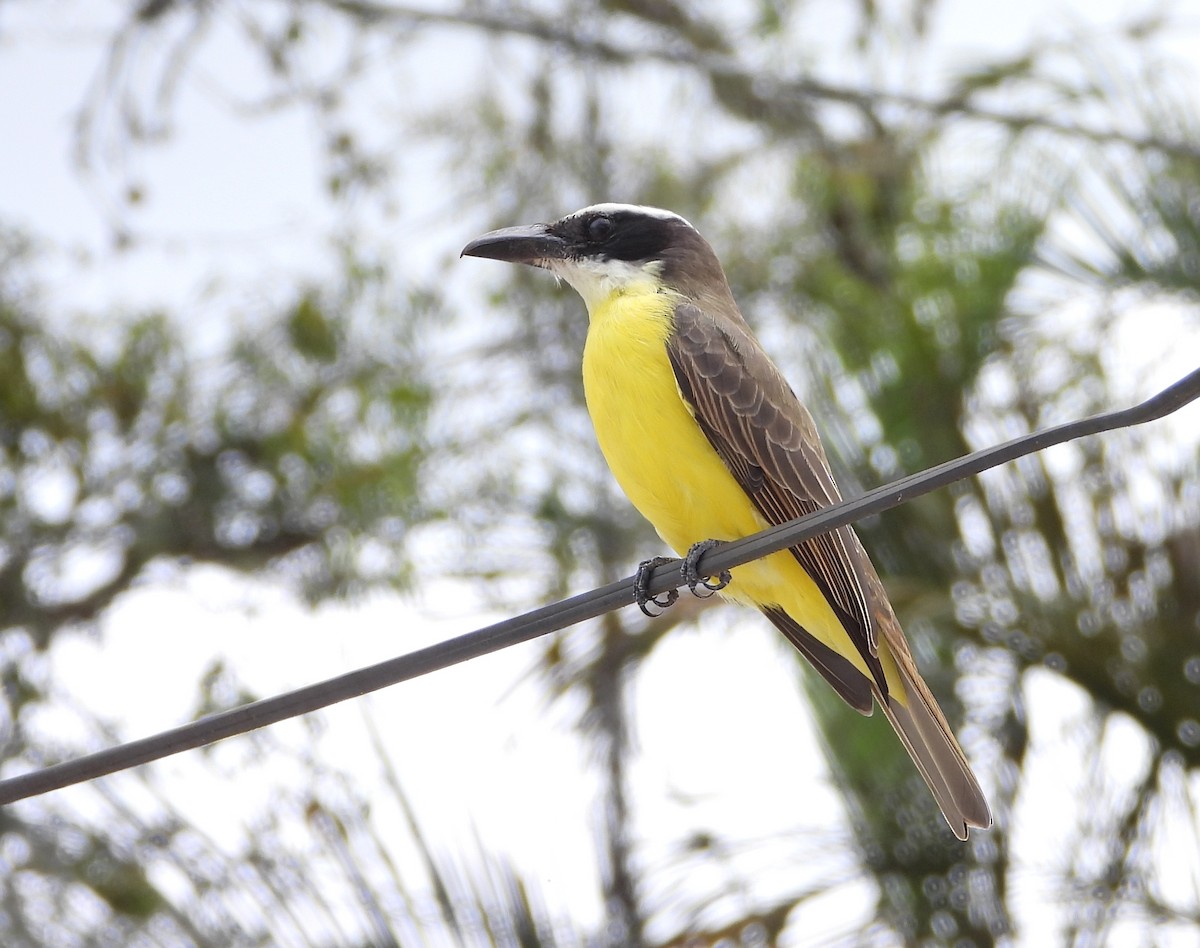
(599, 228)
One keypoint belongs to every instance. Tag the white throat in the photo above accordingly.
(597, 281)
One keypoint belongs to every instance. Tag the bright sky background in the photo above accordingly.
(477, 746)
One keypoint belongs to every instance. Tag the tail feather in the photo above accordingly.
(921, 726)
(926, 736)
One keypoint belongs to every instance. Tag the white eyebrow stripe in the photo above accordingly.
(643, 209)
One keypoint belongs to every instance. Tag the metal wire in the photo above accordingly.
(588, 605)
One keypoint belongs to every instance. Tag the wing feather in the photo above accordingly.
(767, 439)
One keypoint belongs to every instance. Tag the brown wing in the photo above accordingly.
(769, 442)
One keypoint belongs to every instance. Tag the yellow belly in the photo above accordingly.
(668, 469)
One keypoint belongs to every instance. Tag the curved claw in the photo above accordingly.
(664, 602)
(691, 573)
(641, 589)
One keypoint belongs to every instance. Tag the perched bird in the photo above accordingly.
(710, 443)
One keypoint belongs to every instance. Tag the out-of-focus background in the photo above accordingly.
(260, 425)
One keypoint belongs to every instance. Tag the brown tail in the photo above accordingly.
(922, 727)
(926, 736)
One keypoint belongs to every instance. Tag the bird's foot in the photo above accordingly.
(641, 588)
(691, 573)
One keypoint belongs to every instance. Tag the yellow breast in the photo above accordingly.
(657, 452)
(668, 469)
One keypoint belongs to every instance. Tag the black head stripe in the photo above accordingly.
(633, 237)
(640, 238)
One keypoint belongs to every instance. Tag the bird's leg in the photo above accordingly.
(641, 588)
(691, 573)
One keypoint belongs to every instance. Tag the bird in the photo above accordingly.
(710, 443)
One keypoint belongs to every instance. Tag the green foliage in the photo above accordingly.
(290, 453)
(293, 453)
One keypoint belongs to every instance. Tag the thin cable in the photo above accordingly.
(588, 605)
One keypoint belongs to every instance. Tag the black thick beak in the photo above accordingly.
(532, 244)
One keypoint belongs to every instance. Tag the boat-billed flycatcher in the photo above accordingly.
(709, 441)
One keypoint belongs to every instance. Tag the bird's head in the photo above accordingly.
(608, 249)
